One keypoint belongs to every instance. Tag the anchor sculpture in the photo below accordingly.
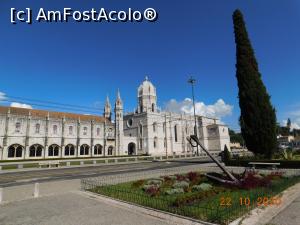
(194, 141)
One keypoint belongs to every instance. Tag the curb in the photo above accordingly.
(69, 167)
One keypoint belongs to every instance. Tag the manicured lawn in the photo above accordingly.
(9, 167)
(31, 165)
(197, 197)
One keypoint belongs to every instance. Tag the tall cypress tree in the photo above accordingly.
(258, 117)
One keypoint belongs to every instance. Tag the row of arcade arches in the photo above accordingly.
(36, 150)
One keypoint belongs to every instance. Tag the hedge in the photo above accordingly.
(283, 163)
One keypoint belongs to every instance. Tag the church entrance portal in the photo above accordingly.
(131, 149)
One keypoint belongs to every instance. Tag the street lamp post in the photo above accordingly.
(192, 81)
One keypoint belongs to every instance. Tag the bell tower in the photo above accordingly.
(119, 124)
(147, 99)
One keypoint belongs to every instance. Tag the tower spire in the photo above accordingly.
(107, 109)
(107, 100)
(118, 100)
(118, 94)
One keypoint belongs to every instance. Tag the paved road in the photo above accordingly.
(289, 216)
(71, 209)
(27, 177)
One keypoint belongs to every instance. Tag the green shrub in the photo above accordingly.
(283, 163)
(181, 184)
(174, 191)
(227, 154)
(202, 187)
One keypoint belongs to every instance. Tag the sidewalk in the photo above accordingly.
(72, 209)
(289, 216)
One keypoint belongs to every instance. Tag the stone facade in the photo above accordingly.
(38, 134)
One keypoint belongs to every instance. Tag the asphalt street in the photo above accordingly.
(46, 175)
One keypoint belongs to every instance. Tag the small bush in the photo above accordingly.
(227, 154)
(180, 177)
(202, 187)
(152, 190)
(174, 191)
(181, 184)
(253, 180)
(276, 175)
(192, 176)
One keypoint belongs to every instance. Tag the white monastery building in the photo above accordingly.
(39, 134)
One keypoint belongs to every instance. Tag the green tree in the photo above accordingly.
(289, 123)
(227, 155)
(258, 118)
(236, 137)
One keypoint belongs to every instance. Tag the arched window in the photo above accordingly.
(15, 150)
(98, 131)
(35, 150)
(110, 150)
(98, 149)
(18, 127)
(37, 128)
(53, 150)
(54, 129)
(155, 142)
(69, 150)
(70, 130)
(84, 149)
(175, 133)
(85, 130)
(153, 107)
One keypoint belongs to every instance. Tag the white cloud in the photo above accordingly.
(295, 119)
(294, 125)
(2, 96)
(218, 110)
(20, 105)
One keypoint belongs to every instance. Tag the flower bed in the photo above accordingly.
(194, 195)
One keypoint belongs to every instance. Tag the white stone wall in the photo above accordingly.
(28, 134)
(210, 133)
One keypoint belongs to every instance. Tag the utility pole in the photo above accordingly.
(192, 81)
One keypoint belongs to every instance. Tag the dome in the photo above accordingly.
(146, 88)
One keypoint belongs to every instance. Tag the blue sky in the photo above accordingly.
(79, 63)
